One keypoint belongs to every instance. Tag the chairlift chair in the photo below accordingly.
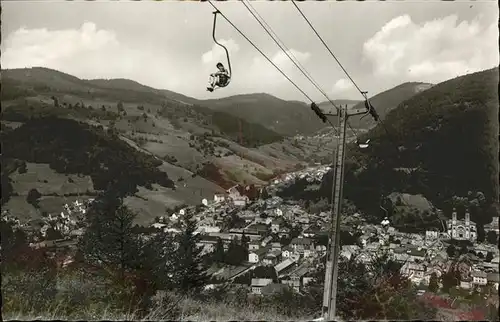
(228, 79)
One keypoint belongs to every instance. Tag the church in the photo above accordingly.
(462, 229)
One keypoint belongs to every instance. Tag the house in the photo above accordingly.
(417, 254)
(234, 192)
(400, 254)
(256, 229)
(363, 239)
(256, 256)
(251, 191)
(284, 232)
(266, 241)
(292, 282)
(303, 220)
(349, 250)
(258, 283)
(275, 246)
(428, 273)
(276, 224)
(393, 246)
(466, 283)
(274, 288)
(439, 263)
(236, 232)
(364, 258)
(253, 245)
(372, 247)
(493, 226)
(300, 244)
(413, 271)
(300, 273)
(483, 249)
(308, 252)
(207, 243)
(240, 201)
(479, 278)
(286, 251)
(272, 257)
(493, 279)
(77, 232)
(312, 231)
(206, 229)
(320, 248)
(283, 265)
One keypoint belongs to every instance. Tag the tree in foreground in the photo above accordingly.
(188, 273)
(218, 255)
(433, 283)
(375, 291)
(109, 240)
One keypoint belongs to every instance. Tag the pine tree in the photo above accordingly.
(264, 194)
(218, 254)
(236, 254)
(433, 283)
(13, 240)
(189, 273)
(244, 245)
(158, 260)
(109, 240)
(450, 279)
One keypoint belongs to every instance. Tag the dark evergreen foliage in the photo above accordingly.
(72, 147)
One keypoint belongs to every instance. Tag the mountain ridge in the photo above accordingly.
(445, 138)
(188, 141)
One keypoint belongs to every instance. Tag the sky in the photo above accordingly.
(169, 45)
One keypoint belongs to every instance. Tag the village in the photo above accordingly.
(283, 236)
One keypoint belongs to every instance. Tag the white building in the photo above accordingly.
(432, 234)
(415, 272)
(259, 283)
(479, 278)
(493, 226)
(219, 198)
(240, 201)
(462, 229)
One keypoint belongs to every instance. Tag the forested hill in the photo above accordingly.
(69, 146)
(440, 143)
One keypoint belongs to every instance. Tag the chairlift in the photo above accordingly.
(222, 81)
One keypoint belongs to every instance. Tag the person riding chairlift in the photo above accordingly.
(219, 78)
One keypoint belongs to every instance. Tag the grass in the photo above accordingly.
(41, 177)
(19, 207)
(82, 295)
(188, 310)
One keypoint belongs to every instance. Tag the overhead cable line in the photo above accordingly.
(326, 46)
(334, 57)
(284, 48)
(313, 104)
(363, 93)
(289, 54)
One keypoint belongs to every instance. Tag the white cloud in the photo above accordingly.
(87, 52)
(217, 53)
(432, 51)
(264, 72)
(342, 85)
(283, 61)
